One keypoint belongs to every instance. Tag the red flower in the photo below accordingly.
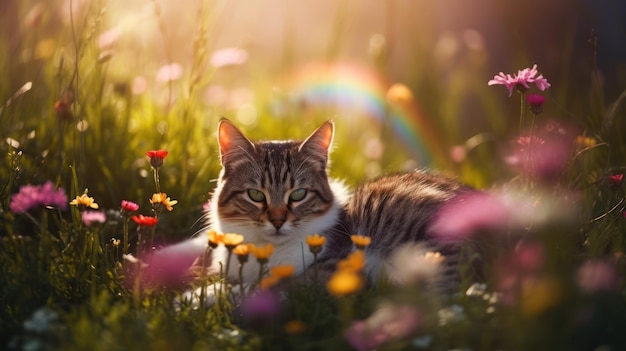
(615, 179)
(156, 157)
(536, 101)
(145, 221)
(129, 206)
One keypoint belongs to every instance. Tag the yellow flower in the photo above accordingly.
(262, 253)
(361, 241)
(268, 282)
(400, 94)
(344, 282)
(294, 327)
(215, 238)
(231, 240)
(116, 242)
(540, 295)
(355, 262)
(315, 243)
(283, 271)
(85, 201)
(242, 252)
(162, 199)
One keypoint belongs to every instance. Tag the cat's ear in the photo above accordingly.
(320, 140)
(231, 139)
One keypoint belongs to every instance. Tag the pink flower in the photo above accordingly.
(521, 80)
(228, 57)
(536, 101)
(615, 179)
(91, 217)
(169, 73)
(596, 276)
(129, 206)
(30, 196)
(390, 322)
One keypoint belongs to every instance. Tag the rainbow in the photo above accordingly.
(355, 87)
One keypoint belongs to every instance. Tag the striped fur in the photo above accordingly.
(393, 210)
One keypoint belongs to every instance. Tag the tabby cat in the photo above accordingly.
(279, 192)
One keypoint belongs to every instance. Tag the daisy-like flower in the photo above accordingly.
(160, 200)
(145, 221)
(344, 282)
(231, 240)
(315, 243)
(360, 241)
(84, 201)
(521, 80)
(91, 217)
(262, 253)
(215, 238)
(355, 262)
(115, 242)
(535, 101)
(156, 157)
(283, 271)
(31, 196)
(129, 206)
(242, 251)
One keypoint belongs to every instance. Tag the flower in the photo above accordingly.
(129, 206)
(115, 242)
(145, 221)
(597, 276)
(294, 327)
(242, 251)
(84, 201)
(355, 262)
(536, 101)
(615, 179)
(521, 80)
(585, 141)
(413, 264)
(231, 240)
(31, 196)
(91, 217)
(215, 238)
(361, 241)
(399, 93)
(262, 253)
(169, 73)
(160, 200)
(283, 271)
(268, 282)
(156, 157)
(228, 57)
(344, 282)
(315, 243)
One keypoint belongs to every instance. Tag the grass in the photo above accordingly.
(77, 113)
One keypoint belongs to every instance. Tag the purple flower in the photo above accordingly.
(536, 101)
(598, 275)
(521, 80)
(91, 217)
(31, 196)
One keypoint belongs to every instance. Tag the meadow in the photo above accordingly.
(108, 113)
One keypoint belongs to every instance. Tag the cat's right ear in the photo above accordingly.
(231, 140)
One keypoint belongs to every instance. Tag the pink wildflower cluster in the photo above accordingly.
(521, 80)
(390, 322)
(33, 196)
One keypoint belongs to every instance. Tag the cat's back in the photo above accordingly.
(399, 207)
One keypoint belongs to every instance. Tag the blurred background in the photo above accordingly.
(404, 80)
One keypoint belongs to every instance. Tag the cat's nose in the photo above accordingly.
(277, 222)
(278, 216)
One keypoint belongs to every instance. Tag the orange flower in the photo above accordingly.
(284, 271)
(315, 243)
(262, 253)
(294, 327)
(343, 283)
(268, 282)
(231, 240)
(161, 199)
(355, 262)
(242, 252)
(215, 238)
(84, 201)
(360, 241)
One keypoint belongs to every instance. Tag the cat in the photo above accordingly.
(279, 192)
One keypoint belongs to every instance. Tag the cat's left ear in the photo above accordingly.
(319, 141)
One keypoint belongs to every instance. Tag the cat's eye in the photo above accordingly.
(297, 195)
(256, 195)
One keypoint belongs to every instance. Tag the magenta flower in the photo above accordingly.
(521, 80)
(615, 179)
(129, 206)
(535, 101)
(31, 196)
(91, 217)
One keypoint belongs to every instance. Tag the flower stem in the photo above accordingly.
(156, 180)
(522, 112)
